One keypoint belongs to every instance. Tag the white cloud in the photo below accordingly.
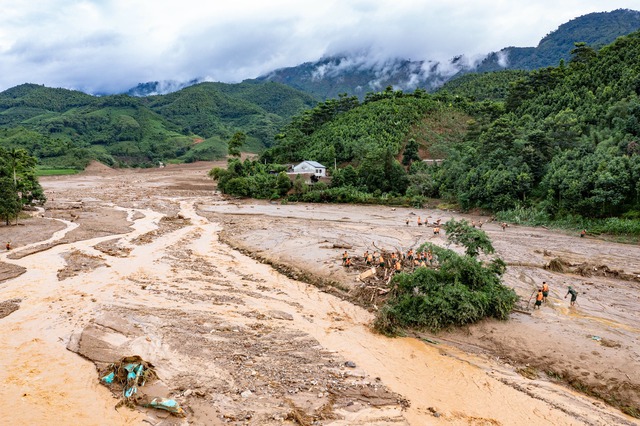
(111, 45)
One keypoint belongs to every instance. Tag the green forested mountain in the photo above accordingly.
(357, 75)
(67, 128)
(594, 29)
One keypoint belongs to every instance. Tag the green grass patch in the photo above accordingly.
(56, 172)
(628, 226)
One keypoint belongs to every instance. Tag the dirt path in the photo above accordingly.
(233, 341)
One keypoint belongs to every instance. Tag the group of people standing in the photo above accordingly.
(543, 292)
(436, 224)
(394, 260)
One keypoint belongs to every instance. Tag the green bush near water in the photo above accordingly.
(628, 225)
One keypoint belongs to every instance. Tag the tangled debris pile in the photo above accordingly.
(587, 269)
(129, 373)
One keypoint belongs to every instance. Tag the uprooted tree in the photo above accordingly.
(461, 290)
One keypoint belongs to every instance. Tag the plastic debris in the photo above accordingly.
(596, 338)
(127, 376)
(170, 405)
(108, 378)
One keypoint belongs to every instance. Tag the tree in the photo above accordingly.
(473, 240)
(9, 202)
(235, 143)
(460, 290)
(582, 54)
(410, 152)
(18, 168)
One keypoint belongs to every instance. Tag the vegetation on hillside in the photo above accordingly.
(490, 86)
(567, 142)
(65, 128)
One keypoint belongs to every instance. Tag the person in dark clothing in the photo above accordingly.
(574, 295)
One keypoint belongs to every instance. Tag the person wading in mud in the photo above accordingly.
(8, 245)
(545, 291)
(574, 295)
(539, 298)
(583, 233)
(345, 255)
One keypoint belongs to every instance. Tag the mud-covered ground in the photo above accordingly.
(215, 294)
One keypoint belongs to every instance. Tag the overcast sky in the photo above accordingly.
(111, 45)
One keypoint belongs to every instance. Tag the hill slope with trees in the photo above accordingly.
(65, 128)
(563, 144)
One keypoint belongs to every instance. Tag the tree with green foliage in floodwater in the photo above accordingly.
(456, 290)
(19, 185)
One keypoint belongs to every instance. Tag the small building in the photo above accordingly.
(314, 167)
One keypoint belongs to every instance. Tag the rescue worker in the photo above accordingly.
(369, 259)
(583, 233)
(539, 298)
(545, 291)
(381, 261)
(436, 230)
(574, 295)
(419, 221)
(345, 255)
(504, 225)
(347, 262)
(410, 254)
(8, 245)
(398, 266)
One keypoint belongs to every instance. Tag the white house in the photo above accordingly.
(314, 167)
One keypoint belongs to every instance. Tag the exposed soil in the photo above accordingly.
(154, 263)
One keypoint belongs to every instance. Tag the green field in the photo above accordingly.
(56, 172)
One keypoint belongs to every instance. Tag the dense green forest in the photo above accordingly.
(67, 129)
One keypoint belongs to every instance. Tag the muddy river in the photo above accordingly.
(217, 295)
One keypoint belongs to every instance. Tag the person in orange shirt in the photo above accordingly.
(539, 298)
(369, 259)
(545, 291)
